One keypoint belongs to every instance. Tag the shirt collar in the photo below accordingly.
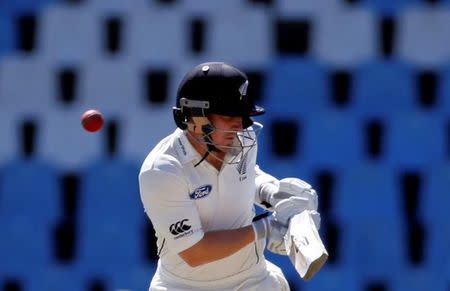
(185, 151)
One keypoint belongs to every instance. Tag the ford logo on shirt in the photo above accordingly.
(201, 192)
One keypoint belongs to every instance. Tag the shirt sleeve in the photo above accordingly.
(173, 214)
(262, 178)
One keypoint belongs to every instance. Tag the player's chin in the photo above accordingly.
(225, 148)
(226, 142)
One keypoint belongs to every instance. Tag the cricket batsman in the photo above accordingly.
(199, 186)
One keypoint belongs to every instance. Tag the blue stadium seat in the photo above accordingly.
(30, 205)
(29, 191)
(268, 160)
(437, 249)
(281, 167)
(7, 34)
(387, 7)
(296, 85)
(286, 266)
(434, 201)
(332, 139)
(110, 194)
(331, 278)
(284, 167)
(375, 248)
(111, 216)
(415, 140)
(375, 92)
(57, 277)
(110, 246)
(417, 279)
(136, 278)
(24, 245)
(433, 210)
(368, 206)
(367, 192)
(443, 91)
(18, 7)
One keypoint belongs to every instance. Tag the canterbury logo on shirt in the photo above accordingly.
(180, 228)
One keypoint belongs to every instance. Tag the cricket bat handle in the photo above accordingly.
(304, 245)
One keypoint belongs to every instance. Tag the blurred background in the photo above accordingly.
(357, 94)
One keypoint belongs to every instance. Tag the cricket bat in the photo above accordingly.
(304, 246)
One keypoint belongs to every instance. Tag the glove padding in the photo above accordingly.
(287, 208)
(286, 188)
(268, 228)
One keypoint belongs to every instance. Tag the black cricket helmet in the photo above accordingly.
(214, 87)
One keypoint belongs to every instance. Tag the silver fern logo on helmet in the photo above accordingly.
(243, 89)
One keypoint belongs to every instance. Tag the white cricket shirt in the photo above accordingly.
(183, 202)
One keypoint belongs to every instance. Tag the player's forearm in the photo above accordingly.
(216, 245)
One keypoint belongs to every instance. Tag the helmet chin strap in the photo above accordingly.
(203, 125)
(207, 130)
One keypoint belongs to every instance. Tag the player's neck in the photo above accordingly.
(215, 158)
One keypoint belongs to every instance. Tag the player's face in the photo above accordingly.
(226, 127)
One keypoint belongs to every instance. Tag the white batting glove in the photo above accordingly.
(273, 193)
(287, 208)
(266, 227)
(316, 218)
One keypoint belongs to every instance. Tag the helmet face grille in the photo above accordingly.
(237, 153)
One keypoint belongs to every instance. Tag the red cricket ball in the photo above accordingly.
(92, 120)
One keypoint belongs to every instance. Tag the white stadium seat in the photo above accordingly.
(241, 37)
(216, 7)
(117, 6)
(423, 37)
(345, 37)
(177, 72)
(110, 86)
(64, 142)
(142, 130)
(69, 33)
(305, 8)
(155, 36)
(25, 85)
